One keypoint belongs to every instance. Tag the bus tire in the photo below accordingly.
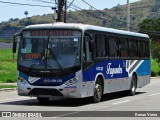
(97, 91)
(133, 86)
(43, 99)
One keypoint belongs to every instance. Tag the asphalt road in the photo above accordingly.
(146, 99)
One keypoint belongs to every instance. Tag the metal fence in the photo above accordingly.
(5, 45)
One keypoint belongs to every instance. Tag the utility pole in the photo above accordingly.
(65, 11)
(128, 15)
(60, 10)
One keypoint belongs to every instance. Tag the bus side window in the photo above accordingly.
(113, 46)
(87, 49)
(100, 45)
(123, 46)
(141, 46)
(147, 49)
(133, 49)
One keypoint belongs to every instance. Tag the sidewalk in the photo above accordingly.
(155, 77)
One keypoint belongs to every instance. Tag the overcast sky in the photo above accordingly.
(8, 11)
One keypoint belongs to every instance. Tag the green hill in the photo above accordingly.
(115, 17)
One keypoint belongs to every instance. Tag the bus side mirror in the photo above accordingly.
(14, 47)
(16, 40)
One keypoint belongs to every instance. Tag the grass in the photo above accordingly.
(155, 66)
(7, 66)
(7, 86)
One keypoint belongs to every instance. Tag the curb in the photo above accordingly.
(7, 89)
(8, 83)
(155, 77)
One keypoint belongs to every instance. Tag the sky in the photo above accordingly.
(8, 11)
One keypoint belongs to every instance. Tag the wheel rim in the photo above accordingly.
(133, 89)
(97, 93)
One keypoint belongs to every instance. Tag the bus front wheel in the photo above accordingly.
(43, 99)
(97, 91)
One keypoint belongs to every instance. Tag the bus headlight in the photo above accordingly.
(23, 81)
(71, 81)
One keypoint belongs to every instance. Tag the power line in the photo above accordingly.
(55, 1)
(101, 11)
(42, 1)
(86, 12)
(95, 16)
(70, 4)
(78, 8)
(83, 11)
(24, 4)
(97, 9)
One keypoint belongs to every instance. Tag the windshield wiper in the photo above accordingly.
(46, 55)
(55, 58)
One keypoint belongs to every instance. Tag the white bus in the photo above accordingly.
(78, 60)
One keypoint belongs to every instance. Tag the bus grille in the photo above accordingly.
(44, 91)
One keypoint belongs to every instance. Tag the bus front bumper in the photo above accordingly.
(71, 91)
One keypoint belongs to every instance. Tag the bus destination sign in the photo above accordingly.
(51, 33)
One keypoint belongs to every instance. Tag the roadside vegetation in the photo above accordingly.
(153, 27)
(7, 86)
(155, 69)
(7, 66)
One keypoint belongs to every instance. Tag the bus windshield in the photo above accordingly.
(50, 49)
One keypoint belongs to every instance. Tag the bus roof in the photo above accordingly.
(84, 27)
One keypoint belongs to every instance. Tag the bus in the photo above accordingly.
(78, 60)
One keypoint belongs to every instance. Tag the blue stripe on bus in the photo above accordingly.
(144, 69)
(113, 69)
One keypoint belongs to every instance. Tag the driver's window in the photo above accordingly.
(87, 50)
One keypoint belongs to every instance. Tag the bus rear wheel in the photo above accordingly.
(133, 86)
(43, 99)
(97, 91)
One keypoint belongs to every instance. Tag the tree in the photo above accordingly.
(26, 13)
(156, 7)
(11, 20)
(152, 28)
(118, 8)
(156, 51)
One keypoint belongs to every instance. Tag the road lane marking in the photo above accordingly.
(154, 94)
(121, 102)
